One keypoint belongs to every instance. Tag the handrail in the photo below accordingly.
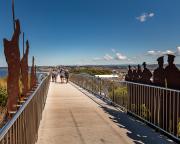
(7, 127)
(152, 86)
(130, 82)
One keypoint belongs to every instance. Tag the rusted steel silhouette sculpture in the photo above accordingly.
(12, 54)
(24, 70)
(146, 75)
(135, 75)
(159, 80)
(159, 73)
(172, 73)
(129, 75)
(139, 72)
(33, 74)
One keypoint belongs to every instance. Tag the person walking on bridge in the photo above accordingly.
(62, 75)
(67, 75)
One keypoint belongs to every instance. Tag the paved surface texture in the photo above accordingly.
(74, 116)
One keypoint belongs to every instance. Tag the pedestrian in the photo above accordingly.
(62, 75)
(56, 75)
(67, 75)
(53, 75)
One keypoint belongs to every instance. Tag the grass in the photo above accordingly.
(3, 91)
(4, 96)
(91, 71)
(3, 82)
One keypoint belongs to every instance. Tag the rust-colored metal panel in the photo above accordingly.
(33, 74)
(12, 54)
(24, 70)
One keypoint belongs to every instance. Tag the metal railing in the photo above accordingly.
(23, 127)
(157, 106)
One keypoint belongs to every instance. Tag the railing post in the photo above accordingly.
(113, 96)
(100, 85)
(92, 80)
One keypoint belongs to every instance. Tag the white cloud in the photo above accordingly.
(159, 53)
(151, 52)
(151, 14)
(178, 51)
(168, 52)
(143, 17)
(154, 53)
(116, 56)
(107, 57)
(119, 56)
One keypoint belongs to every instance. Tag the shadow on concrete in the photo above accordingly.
(138, 131)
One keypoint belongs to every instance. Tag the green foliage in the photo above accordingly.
(3, 82)
(91, 71)
(3, 91)
(118, 91)
(145, 113)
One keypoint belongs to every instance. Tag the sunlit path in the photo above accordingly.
(71, 117)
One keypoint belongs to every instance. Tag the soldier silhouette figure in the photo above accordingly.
(135, 75)
(172, 73)
(146, 75)
(129, 76)
(159, 80)
(139, 73)
(173, 80)
(159, 73)
(12, 54)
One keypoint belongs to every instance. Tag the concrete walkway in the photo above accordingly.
(71, 117)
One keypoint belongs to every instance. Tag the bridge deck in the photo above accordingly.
(71, 117)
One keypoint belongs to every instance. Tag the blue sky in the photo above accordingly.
(94, 31)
